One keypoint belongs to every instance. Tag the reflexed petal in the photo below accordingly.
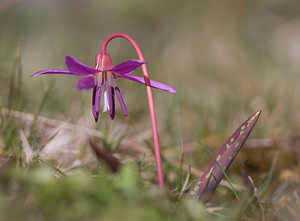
(111, 96)
(153, 84)
(79, 68)
(121, 101)
(52, 71)
(127, 66)
(96, 102)
(86, 83)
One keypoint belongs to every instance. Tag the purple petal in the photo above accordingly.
(79, 68)
(153, 84)
(111, 97)
(127, 66)
(96, 102)
(52, 71)
(121, 101)
(86, 83)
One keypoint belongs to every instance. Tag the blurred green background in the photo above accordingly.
(226, 59)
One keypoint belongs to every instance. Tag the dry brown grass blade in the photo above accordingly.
(102, 154)
(260, 201)
(51, 122)
(23, 116)
(185, 184)
(27, 155)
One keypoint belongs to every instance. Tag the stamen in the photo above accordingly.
(113, 80)
(106, 104)
(121, 101)
(111, 94)
(99, 79)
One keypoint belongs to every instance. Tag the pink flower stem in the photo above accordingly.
(150, 101)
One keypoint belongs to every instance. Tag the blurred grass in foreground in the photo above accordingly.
(226, 60)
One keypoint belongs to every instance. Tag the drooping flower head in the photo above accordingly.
(102, 80)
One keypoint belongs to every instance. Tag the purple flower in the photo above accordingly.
(102, 78)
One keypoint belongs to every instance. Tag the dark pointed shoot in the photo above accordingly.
(213, 175)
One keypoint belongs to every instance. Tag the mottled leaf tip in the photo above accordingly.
(214, 173)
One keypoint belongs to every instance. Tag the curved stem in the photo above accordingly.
(150, 100)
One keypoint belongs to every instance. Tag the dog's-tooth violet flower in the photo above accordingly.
(102, 78)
